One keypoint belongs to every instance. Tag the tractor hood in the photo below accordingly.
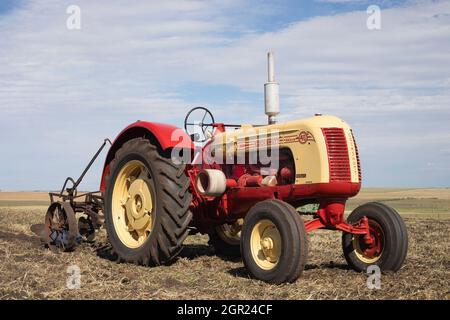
(322, 146)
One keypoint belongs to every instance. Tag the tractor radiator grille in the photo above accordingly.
(357, 156)
(338, 159)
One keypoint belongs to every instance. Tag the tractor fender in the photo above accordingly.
(164, 136)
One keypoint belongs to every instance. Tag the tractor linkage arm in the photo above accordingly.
(72, 191)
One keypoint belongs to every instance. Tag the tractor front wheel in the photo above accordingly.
(388, 243)
(226, 239)
(274, 242)
(147, 202)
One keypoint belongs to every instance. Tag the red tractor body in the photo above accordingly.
(242, 187)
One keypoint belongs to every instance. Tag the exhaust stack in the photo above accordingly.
(271, 91)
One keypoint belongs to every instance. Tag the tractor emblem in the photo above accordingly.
(305, 136)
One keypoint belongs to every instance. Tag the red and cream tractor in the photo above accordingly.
(241, 185)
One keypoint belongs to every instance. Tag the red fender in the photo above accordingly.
(158, 132)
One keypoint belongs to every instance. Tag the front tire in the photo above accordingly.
(390, 236)
(274, 242)
(226, 239)
(147, 202)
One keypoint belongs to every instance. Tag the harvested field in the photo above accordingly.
(30, 271)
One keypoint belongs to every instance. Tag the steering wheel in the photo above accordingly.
(198, 117)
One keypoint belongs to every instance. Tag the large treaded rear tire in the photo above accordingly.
(171, 208)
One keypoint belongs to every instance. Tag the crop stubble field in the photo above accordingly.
(30, 271)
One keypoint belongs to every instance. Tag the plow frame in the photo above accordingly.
(90, 204)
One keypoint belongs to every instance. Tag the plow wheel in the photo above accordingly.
(61, 228)
(226, 239)
(147, 202)
(274, 242)
(387, 244)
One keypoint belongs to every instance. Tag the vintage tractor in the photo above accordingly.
(241, 186)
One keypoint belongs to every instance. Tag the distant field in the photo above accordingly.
(24, 199)
(406, 201)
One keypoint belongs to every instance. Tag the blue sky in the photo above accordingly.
(62, 91)
(8, 5)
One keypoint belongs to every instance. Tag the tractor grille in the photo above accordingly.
(338, 159)
(357, 156)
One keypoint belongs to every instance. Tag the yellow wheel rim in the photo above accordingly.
(231, 233)
(371, 254)
(265, 244)
(132, 204)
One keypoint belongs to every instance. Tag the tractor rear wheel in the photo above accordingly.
(274, 242)
(147, 202)
(226, 239)
(389, 239)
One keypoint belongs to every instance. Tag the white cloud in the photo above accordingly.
(146, 43)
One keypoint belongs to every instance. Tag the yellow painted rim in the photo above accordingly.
(265, 244)
(359, 251)
(133, 204)
(231, 233)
